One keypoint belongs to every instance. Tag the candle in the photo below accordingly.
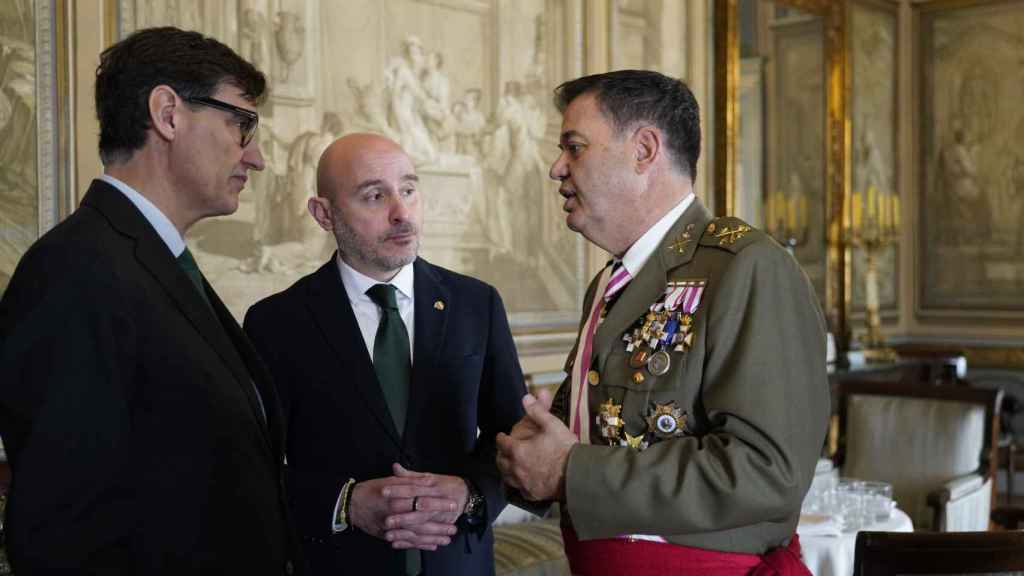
(872, 203)
(857, 209)
(846, 208)
(791, 223)
(883, 211)
(895, 210)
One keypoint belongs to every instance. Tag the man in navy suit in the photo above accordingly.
(144, 434)
(396, 375)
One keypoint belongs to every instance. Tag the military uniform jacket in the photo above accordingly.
(718, 450)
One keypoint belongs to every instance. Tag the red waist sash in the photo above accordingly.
(616, 556)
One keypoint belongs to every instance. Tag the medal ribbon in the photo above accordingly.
(612, 281)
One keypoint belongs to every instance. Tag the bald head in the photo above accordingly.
(368, 197)
(343, 162)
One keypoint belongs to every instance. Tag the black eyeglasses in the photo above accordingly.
(247, 119)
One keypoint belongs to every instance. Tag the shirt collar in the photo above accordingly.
(357, 283)
(640, 252)
(157, 219)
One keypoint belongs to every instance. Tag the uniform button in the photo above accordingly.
(593, 377)
(289, 568)
(638, 377)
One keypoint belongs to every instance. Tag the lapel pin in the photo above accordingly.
(439, 305)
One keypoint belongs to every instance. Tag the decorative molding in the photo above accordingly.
(46, 116)
(726, 121)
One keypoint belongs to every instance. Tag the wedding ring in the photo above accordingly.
(414, 503)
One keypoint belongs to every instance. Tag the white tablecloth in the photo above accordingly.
(833, 555)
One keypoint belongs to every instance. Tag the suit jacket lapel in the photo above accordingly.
(329, 306)
(675, 250)
(153, 255)
(431, 326)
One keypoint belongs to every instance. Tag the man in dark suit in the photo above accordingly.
(687, 432)
(386, 365)
(144, 435)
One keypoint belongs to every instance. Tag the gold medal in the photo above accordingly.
(593, 377)
(609, 421)
(659, 363)
(634, 442)
(665, 420)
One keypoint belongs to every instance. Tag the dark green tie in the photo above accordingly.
(391, 353)
(189, 266)
(392, 364)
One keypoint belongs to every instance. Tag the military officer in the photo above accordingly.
(687, 432)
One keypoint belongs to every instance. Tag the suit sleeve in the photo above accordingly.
(500, 406)
(68, 358)
(764, 391)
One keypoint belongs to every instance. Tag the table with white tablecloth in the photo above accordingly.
(832, 554)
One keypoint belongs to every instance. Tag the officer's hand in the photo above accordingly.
(425, 522)
(526, 426)
(535, 464)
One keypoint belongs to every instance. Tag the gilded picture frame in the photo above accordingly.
(971, 171)
(34, 113)
(835, 141)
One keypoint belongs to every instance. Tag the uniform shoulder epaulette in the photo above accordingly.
(729, 233)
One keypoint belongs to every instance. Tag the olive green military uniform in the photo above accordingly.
(717, 449)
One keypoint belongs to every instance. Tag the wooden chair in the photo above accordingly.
(937, 445)
(948, 553)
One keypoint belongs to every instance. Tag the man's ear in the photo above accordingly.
(320, 210)
(164, 109)
(646, 147)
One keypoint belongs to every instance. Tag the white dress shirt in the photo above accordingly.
(157, 219)
(640, 252)
(368, 314)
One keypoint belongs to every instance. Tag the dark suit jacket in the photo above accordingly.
(128, 412)
(466, 376)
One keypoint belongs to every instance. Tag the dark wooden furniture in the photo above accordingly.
(946, 553)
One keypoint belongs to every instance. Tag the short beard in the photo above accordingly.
(351, 245)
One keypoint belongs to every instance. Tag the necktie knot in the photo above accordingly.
(384, 296)
(187, 262)
(617, 281)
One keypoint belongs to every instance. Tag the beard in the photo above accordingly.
(369, 251)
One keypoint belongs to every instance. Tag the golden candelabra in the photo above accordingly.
(786, 219)
(874, 225)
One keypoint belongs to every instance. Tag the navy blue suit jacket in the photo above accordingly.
(466, 376)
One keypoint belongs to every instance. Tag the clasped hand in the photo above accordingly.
(410, 509)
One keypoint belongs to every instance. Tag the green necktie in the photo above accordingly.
(391, 353)
(392, 364)
(189, 266)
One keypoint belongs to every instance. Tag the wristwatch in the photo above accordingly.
(473, 512)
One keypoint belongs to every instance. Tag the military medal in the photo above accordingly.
(609, 421)
(659, 363)
(634, 442)
(639, 358)
(665, 420)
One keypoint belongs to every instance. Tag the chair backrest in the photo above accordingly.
(916, 436)
(938, 553)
